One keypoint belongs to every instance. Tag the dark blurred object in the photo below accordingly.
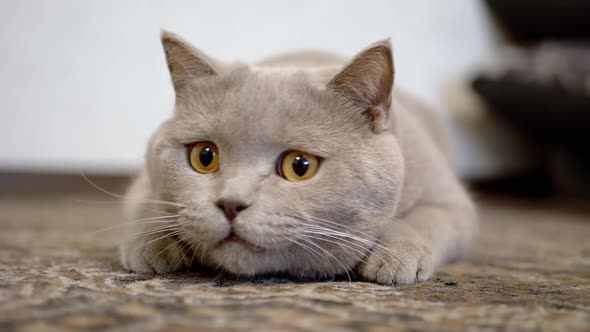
(535, 20)
(534, 184)
(544, 91)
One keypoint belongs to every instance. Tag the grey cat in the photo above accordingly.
(305, 164)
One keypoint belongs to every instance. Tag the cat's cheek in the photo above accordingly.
(207, 233)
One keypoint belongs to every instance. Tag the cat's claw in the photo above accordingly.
(159, 257)
(402, 263)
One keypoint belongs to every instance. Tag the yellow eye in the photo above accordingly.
(204, 157)
(298, 166)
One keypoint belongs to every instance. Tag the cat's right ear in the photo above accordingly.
(185, 62)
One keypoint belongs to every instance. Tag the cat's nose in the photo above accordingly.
(231, 208)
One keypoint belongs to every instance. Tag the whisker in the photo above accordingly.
(374, 250)
(173, 243)
(121, 202)
(363, 254)
(182, 249)
(377, 246)
(171, 234)
(339, 225)
(194, 246)
(376, 243)
(157, 230)
(312, 251)
(169, 230)
(327, 253)
(159, 219)
(352, 236)
(342, 234)
(155, 201)
(220, 273)
(86, 201)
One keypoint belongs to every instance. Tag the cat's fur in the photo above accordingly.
(384, 204)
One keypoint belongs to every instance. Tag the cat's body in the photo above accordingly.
(385, 202)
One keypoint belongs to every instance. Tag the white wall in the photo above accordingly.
(84, 83)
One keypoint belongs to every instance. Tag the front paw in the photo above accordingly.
(155, 256)
(398, 262)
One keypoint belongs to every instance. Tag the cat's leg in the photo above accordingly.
(157, 253)
(150, 246)
(414, 245)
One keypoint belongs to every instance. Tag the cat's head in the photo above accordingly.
(280, 170)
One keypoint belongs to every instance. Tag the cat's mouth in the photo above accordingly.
(234, 238)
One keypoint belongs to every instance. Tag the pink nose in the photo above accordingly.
(231, 208)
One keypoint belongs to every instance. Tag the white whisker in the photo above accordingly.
(167, 235)
(362, 254)
(377, 246)
(155, 201)
(326, 252)
(194, 247)
(152, 220)
(312, 251)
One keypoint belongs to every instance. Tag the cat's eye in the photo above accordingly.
(298, 166)
(204, 157)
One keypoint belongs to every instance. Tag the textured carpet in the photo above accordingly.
(530, 271)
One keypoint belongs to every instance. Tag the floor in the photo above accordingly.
(530, 271)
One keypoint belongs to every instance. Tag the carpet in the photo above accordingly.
(529, 271)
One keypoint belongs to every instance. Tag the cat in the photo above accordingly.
(306, 164)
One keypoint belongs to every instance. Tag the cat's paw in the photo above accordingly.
(146, 256)
(400, 262)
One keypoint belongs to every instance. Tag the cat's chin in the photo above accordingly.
(234, 239)
(243, 258)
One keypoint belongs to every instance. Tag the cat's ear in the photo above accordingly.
(185, 62)
(367, 81)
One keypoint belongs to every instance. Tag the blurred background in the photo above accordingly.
(84, 83)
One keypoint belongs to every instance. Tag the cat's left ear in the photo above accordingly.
(367, 81)
(185, 62)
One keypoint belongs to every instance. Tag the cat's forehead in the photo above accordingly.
(284, 107)
(272, 92)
